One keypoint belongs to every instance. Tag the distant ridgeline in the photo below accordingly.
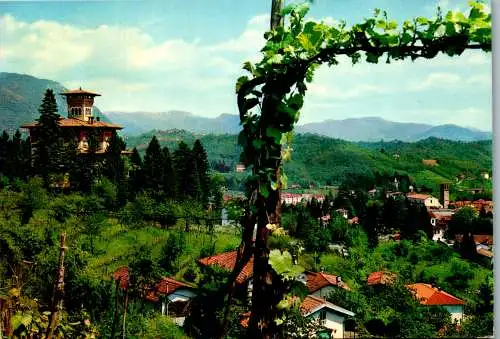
(20, 98)
(323, 161)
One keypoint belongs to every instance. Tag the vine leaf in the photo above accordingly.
(283, 264)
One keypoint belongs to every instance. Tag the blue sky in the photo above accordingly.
(186, 55)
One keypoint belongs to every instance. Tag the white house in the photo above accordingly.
(426, 199)
(175, 298)
(321, 284)
(330, 316)
(432, 296)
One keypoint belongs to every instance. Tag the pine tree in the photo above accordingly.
(203, 167)
(114, 166)
(188, 185)
(15, 156)
(4, 154)
(169, 178)
(136, 178)
(153, 166)
(46, 156)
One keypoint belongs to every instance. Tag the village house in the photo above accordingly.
(432, 296)
(80, 122)
(173, 296)
(294, 198)
(321, 284)
(477, 205)
(331, 318)
(426, 199)
(439, 221)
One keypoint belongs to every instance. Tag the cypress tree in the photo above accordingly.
(153, 166)
(114, 166)
(188, 185)
(136, 173)
(203, 167)
(15, 156)
(169, 178)
(46, 157)
(4, 154)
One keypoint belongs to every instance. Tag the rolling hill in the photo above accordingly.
(326, 161)
(21, 96)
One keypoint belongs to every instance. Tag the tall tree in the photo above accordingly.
(188, 184)
(169, 176)
(46, 156)
(153, 166)
(16, 165)
(114, 166)
(136, 173)
(202, 166)
(4, 153)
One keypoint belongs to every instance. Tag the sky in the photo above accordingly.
(157, 56)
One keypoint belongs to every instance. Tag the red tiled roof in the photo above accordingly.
(80, 91)
(312, 303)
(483, 238)
(227, 261)
(316, 281)
(166, 286)
(428, 295)
(380, 278)
(122, 275)
(72, 122)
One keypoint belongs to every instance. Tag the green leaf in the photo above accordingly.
(248, 67)
(288, 9)
(284, 180)
(296, 102)
(274, 185)
(241, 80)
(274, 133)
(283, 264)
(302, 9)
(372, 58)
(275, 59)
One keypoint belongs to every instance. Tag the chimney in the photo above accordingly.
(91, 120)
(98, 118)
(339, 280)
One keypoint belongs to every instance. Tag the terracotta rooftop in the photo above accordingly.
(312, 304)
(483, 239)
(309, 305)
(80, 91)
(227, 261)
(316, 281)
(71, 122)
(380, 278)
(428, 295)
(166, 286)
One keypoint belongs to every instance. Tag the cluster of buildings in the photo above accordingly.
(173, 297)
(441, 211)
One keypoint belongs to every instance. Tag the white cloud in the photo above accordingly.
(434, 80)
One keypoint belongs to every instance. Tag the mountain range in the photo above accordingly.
(21, 95)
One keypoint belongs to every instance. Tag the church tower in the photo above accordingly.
(80, 103)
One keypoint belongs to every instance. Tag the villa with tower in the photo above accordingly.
(80, 121)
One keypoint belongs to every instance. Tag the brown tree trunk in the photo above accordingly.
(115, 315)
(125, 304)
(58, 290)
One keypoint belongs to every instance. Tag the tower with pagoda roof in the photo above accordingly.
(80, 121)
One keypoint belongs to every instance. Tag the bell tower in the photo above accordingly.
(80, 103)
(444, 190)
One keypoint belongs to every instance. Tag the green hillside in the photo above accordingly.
(324, 161)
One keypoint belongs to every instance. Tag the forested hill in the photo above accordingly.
(326, 161)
